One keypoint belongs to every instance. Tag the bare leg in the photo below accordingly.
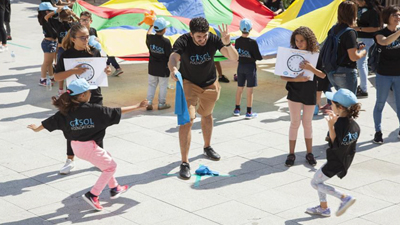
(292, 145)
(219, 68)
(308, 144)
(249, 97)
(239, 92)
(207, 127)
(185, 136)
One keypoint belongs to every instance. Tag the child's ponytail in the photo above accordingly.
(66, 103)
(354, 110)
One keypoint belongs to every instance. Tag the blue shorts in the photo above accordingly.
(247, 72)
(49, 46)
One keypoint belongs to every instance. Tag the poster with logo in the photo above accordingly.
(288, 62)
(95, 70)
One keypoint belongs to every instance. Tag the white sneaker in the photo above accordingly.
(68, 166)
(3, 48)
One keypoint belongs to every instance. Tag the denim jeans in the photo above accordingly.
(383, 85)
(344, 77)
(153, 82)
(362, 64)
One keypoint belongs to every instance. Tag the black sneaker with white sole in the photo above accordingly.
(378, 138)
(211, 154)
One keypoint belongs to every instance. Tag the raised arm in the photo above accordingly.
(228, 51)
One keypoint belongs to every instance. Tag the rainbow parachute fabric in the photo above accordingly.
(117, 21)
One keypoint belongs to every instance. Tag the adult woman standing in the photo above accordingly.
(345, 75)
(388, 72)
(368, 22)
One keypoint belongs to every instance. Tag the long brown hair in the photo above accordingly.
(309, 36)
(67, 42)
(347, 13)
(66, 103)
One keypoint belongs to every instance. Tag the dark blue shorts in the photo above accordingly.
(247, 72)
(49, 46)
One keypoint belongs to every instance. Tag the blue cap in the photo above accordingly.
(160, 24)
(343, 96)
(46, 6)
(204, 170)
(245, 25)
(79, 86)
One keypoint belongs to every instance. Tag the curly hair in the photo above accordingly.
(309, 36)
(352, 112)
(66, 103)
(199, 24)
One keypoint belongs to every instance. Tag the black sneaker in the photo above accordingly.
(184, 172)
(378, 138)
(223, 79)
(361, 93)
(211, 154)
(290, 160)
(310, 159)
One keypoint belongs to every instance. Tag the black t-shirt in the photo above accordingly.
(389, 61)
(367, 17)
(341, 152)
(50, 27)
(347, 41)
(96, 97)
(248, 50)
(197, 62)
(63, 30)
(159, 48)
(87, 122)
(274, 6)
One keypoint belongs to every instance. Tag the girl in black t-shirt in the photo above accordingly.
(85, 125)
(276, 6)
(302, 94)
(49, 43)
(76, 45)
(388, 71)
(344, 133)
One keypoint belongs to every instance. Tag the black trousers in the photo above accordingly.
(3, 34)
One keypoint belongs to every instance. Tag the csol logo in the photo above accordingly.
(199, 59)
(80, 124)
(243, 53)
(156, 49)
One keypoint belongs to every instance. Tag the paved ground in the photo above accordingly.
(259, 190)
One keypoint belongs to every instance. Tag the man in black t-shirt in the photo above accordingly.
(196, 52)
(159, 50)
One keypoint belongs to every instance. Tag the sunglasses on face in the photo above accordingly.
(83, 38)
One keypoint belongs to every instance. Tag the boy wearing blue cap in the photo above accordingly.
(247, 68)
(85, 124)
(159, 49)
(344, 133)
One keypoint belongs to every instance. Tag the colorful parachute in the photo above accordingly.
(117, 21)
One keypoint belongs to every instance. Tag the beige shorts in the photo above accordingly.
(206, 97)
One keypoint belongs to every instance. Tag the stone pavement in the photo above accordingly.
(260, 190)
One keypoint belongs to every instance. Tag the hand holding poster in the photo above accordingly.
(288, 62)
(95, 70)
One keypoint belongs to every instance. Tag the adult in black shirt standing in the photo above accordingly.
(345, 75)
(368, 22)
(3, 34)
(196, 52)
(388, 72)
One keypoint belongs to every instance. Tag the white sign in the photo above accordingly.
(95, 70)
(288, 62)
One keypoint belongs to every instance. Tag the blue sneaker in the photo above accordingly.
(250, 115)
(316, 110)
(236, 112)
(346, 203)
(317, 210)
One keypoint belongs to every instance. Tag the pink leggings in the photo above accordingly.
(94, 154)
(295, 119)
